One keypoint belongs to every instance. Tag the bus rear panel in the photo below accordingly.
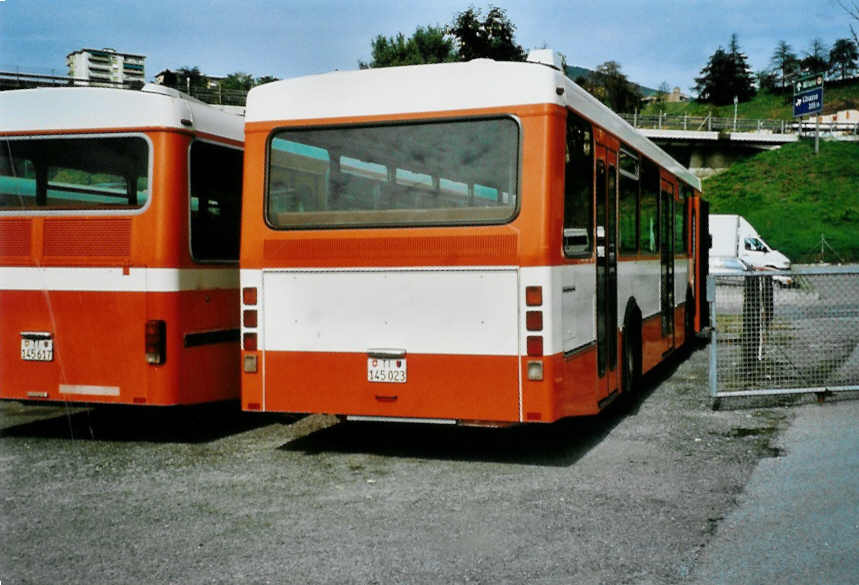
(432, 252)
(116, 280)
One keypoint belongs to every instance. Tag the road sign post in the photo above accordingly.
(808, 99)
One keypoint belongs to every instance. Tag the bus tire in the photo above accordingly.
(630, 352)
(689, 318)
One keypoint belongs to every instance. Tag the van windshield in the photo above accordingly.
(755, 245)
(416, 173)
(73, 173)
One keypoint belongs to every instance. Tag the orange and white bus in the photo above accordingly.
(473, 243)
(119, 234)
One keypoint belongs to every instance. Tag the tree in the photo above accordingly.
(843, 57)
(852, 10)
(188, 78)
(491, 37)
(427, 45)
(785, 60)
(610, 86)
(744, 79)
(816, 58)
(726, 76)
(238, 80)
(767, 80)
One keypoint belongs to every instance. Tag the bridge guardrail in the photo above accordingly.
(714, 124)
(13, 80)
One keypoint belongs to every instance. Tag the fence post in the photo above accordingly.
(685, 120)
(711, 299)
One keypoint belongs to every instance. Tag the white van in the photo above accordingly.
(735, 244)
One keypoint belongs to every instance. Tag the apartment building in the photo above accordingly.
(106, 66)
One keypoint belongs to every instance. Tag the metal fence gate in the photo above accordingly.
(784, 332)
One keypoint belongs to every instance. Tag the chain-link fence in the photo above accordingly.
(784, 332)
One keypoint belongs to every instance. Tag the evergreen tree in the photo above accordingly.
(785, 60)
(727, 75)
(744, 78)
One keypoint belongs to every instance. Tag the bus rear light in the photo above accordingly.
(535, 345)
(156, 342)
(249, 318)
(249, 364)
(249, 295)
(535, 370)
(534, 296)
(534, 320)
(249, 341)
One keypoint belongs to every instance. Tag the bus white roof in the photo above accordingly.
(51, 109)
(481, 83)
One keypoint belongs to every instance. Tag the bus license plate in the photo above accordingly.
(37, 348)
(386, 370)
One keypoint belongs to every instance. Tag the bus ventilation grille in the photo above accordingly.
(15, 237)
(88, 237)
(487, 250)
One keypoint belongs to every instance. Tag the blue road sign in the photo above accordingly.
(808, 102)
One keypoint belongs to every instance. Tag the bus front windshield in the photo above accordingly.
(415, 173)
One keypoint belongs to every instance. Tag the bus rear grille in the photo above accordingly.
(387, 251)
(15, 237)
(88, 237)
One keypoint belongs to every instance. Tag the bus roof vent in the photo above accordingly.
(548, 57)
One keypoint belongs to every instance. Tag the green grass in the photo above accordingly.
(792, 197)
(763, 106)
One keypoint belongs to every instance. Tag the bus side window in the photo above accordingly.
(216, 191)
(648, 218)
(681, 208)
(628, 209)
(578, 186)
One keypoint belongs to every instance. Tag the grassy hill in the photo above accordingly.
(792, 197)
(765, 105)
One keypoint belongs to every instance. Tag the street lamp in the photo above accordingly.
(735, 113)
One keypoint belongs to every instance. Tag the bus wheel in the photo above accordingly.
(630, 369)
(689, 320)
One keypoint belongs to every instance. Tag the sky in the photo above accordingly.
(654, 42)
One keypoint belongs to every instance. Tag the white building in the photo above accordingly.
(106, 66)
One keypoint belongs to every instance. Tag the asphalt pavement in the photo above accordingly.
(798, 519)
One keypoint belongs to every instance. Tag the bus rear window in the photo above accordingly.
(425, 173)
(73, 173)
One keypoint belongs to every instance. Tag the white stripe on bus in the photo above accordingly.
(81, 279)
(89, 390)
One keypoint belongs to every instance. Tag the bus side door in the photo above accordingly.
(606, 285)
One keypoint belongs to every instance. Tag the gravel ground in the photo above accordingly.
(210, 495)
